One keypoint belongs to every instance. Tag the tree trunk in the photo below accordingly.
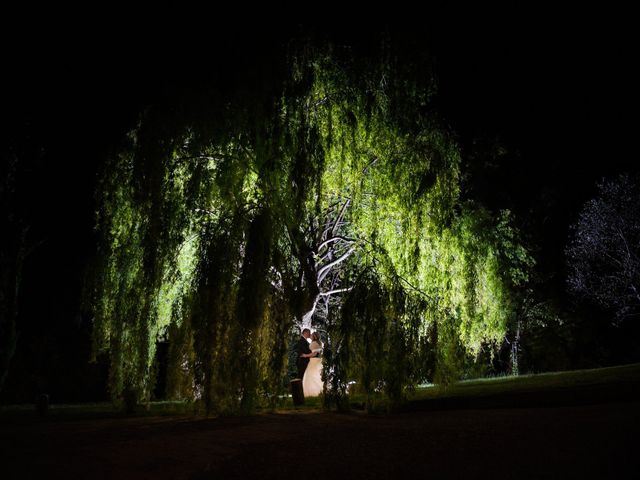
(515, 351)
(11, 267)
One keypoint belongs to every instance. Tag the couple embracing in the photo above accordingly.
(309, 363)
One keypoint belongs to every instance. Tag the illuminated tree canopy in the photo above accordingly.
(325, 192)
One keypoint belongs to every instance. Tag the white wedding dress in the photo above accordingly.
(312, 379)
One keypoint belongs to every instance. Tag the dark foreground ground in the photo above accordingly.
(584, 440)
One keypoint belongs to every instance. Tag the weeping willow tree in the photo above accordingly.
(323, 192)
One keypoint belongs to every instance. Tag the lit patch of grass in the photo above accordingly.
(529, 383)
(310, 403)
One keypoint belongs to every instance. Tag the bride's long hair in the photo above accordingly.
(315, 336)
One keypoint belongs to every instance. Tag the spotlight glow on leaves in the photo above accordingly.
(222, 230)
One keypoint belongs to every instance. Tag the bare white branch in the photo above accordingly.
(333, 292)
(335, 239)
(322, 273)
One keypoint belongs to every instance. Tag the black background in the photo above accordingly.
(554, 88)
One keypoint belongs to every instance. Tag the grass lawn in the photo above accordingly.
(537, 426)
(579, 386)
(599, 377)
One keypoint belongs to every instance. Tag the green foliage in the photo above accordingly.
(208, 221)
(377, 332)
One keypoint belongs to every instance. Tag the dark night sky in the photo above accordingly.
(555, 87)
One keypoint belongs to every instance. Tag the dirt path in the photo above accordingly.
(589, 441)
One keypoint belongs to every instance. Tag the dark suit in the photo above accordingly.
(302, 362)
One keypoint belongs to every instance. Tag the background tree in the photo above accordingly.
(18, 159)
(12, 250)
(604, 252)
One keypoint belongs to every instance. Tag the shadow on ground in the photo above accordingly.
(579, 432)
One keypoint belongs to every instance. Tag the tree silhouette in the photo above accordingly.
(19, 158)
(604, 253)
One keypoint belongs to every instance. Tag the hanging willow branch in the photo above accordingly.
(223, 228)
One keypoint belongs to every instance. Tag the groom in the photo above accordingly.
(303, 348)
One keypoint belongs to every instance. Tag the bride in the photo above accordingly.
(312, 379)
